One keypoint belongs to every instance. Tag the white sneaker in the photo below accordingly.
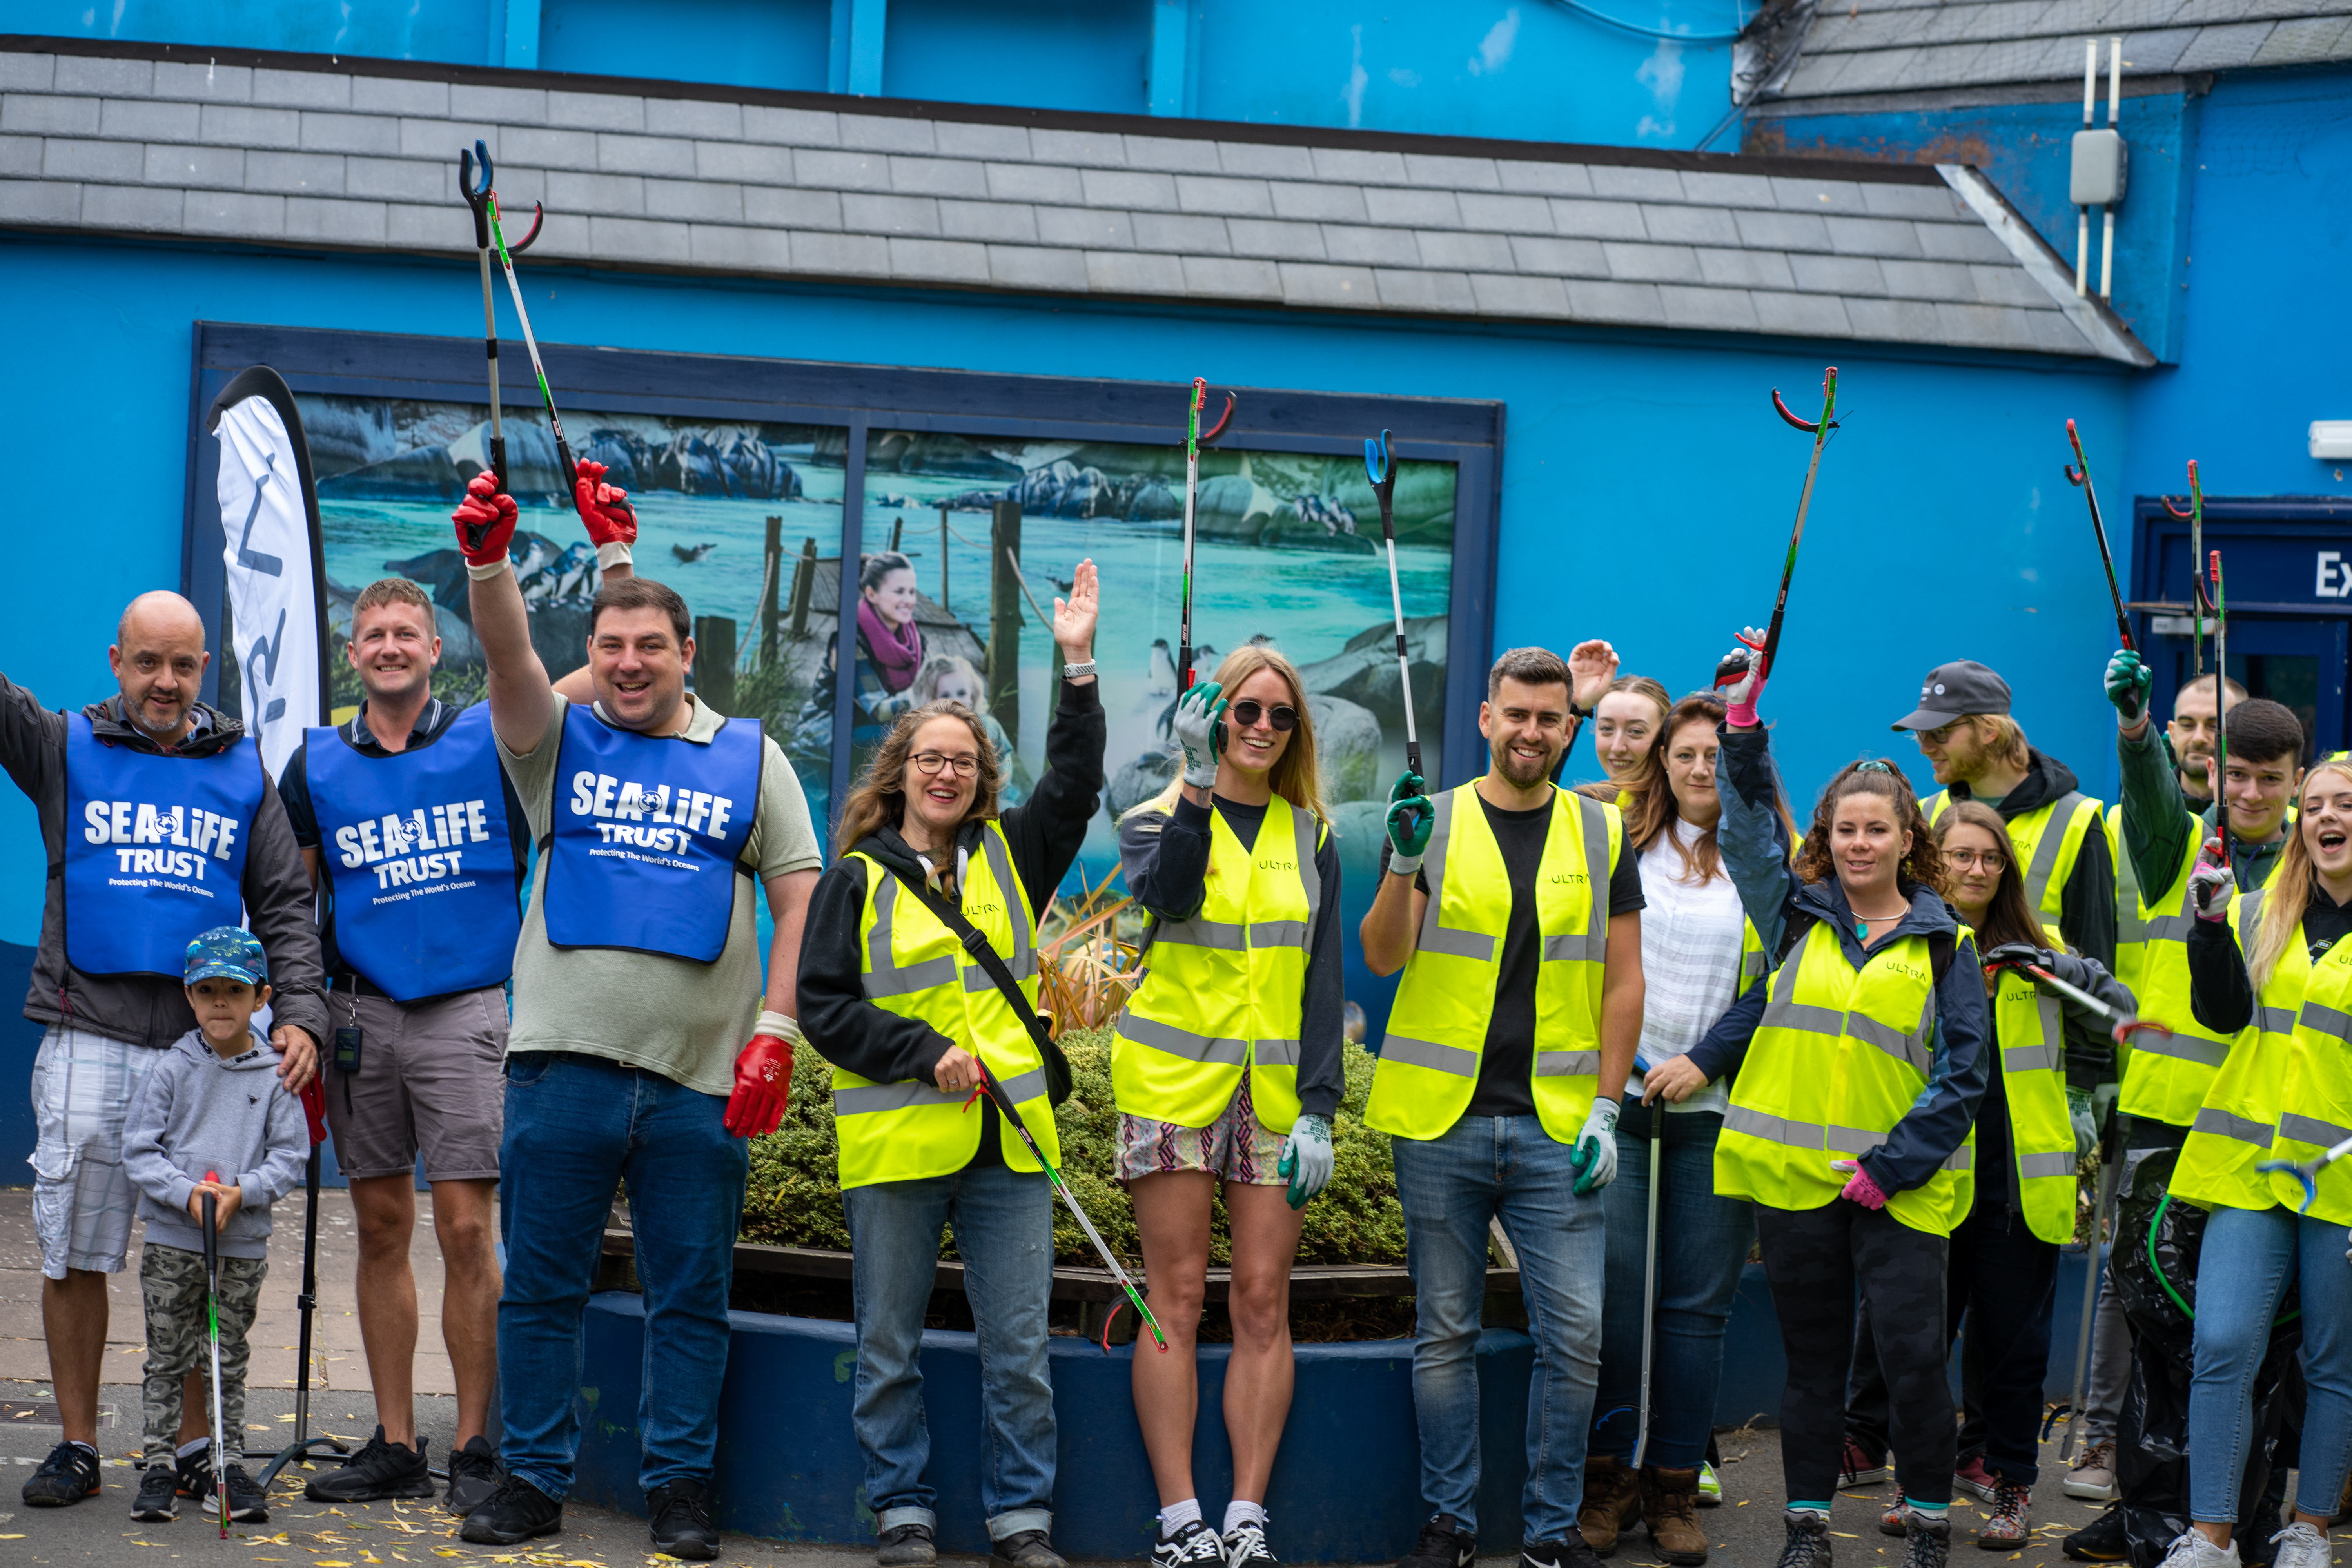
(2189, 1549)
(2300, 1545)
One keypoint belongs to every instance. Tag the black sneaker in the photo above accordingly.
(245, 1502)
(1570, 1552)
(1442, 1543)
(1930, 1544)
(194, 1473)
(1025, 1548)
(68, 1475)
(1808, 1545)
(379, 1470)
(516, 1511)
(159, 1494)
(906, 1546)
(474, 1475)
(681, 1512)
(2101, 1540)
(1245, 1545)
(1194, 1544)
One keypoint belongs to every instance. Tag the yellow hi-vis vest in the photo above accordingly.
(1227, 989)
(2166, 1079)
(2131, 915)
(2285, 1093)
(2048, 841)
(2030, 1027)
(1840, 1055)
(915, 967)
(1436, 1033)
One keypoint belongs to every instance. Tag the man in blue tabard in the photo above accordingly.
(159, 822)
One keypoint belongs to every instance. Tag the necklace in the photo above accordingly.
(1862, 922)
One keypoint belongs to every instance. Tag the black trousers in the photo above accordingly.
(1819, 1261)
(2001, 1286)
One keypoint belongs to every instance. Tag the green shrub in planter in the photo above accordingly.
(794, 1196)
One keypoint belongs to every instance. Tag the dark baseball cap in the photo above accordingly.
(1952, 690)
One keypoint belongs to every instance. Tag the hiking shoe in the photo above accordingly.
(2300, 1546)
(1193, 1544)
(516, 1511)
(1858, 1466)
(906, 1546)
(1928, 1544)
(1028, 1549)
(1973, 1478)
(1442, 1543)
(1612, 1502)
(2007, 1530)
(159, 1494)
(1710, 1487)
(245, 1502)
(1245, 1545)
(379, 1470)
(680, 1515)
(2092, 1476)
(1573, 1551)
(68, 1475)
(2101, 1540)
(2191, 1549)
(1808, 1545)
(1670, 1509)
(474, 1475)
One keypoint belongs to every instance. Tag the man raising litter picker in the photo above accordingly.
(1514, 909)
(158, 821)
(637, 984)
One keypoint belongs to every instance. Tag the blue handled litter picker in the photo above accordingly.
(2307, 1173)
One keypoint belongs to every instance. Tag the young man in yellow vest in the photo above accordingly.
(1514, 909)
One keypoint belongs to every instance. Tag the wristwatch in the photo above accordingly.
(1078, 672)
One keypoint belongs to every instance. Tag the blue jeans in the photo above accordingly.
(1451, 1188)
(1703, 1243)
(2248, 1259)
(575, 1127)
(1003, 1224)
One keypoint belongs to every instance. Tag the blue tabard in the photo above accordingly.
(154, 850)
(416, 844)
(647, 832)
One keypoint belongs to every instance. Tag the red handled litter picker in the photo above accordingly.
(2078, 474)
(1194, 440)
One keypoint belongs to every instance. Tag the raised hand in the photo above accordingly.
(2127, 684)
(1197, 713)
(1074, 618)
(605, 508)
(1592, 666)
(486, 521)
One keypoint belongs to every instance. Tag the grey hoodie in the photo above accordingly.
(197, 1112)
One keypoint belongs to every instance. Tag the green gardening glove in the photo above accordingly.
(2127, 684)
(2086, 1121)
(1411, 819)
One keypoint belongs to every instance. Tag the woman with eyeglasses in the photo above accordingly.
(1226, 1070)
(2045, 1057)
(913, 1021)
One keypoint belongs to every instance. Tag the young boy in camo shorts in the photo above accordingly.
(211, 1119)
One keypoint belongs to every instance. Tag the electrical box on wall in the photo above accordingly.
(2101, 159)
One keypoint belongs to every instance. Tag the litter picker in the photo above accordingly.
(212, 1325)
(2078, 474)
(514, 292)
(1194, 440)
(2221, 728)
(1012, 1114)
(478, 197)
(1650, 1284)
(1380, 468)
(2194, 516)
(1737, 665)
(314, 1106)
(2307, 1173)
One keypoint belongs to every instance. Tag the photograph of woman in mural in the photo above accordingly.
(952, 678)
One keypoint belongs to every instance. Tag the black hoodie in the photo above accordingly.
(2086, 905)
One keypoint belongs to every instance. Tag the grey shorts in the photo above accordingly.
(82, 1198)
(429, 1079)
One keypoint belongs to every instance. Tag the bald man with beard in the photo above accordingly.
(159, 822)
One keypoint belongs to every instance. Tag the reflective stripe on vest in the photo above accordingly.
(2131, 915)
(2030, 1024)
(2236, 1128)
(2316, 1089)
(2166, 1078)
(1829, 1139)
(1436, 1034)
(1225, 990)
(914, 966)
(154, 850)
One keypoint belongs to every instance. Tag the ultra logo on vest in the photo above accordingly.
(195, 831)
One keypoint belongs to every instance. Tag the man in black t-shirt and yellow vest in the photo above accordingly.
(1514, 909)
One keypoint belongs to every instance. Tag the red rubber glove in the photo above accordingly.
(764, 1082)
(314, 1109)
(605, 508)
(486, 521)
(1859, 1187)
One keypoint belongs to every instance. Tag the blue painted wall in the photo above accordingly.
(1063, 54)
(780, 44)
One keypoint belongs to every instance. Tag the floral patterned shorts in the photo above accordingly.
(1236, 1147)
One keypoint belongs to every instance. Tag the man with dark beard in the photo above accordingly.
(1498, 1082)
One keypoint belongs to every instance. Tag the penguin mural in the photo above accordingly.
(1161, 681)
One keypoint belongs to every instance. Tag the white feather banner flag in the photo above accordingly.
(269, 527)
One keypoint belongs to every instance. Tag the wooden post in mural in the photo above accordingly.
(898, 528)
(804, 584)
(943, 555)
(714, 662)
(772, 572)
(1004, 617)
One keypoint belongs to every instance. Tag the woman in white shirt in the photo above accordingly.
(1699, 953)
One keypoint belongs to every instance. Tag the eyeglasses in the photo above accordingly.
(1248, 711)
(1940, 734)
(930, 763)
(1992, 860)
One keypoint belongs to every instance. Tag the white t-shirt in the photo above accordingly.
(1690, 961)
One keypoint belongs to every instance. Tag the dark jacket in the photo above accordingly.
(148, 1010)
(1044, 834)
(2086, 905)
(2158, 817)
(1784, 909)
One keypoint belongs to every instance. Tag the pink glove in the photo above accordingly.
(1859, 1187)
(2210, 885)
(764, 1082)
(1742, 687)
(605, 508)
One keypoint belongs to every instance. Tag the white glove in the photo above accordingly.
(1197, 713)
(1594, 1159)
(1306, 1159)
(2210, 885)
